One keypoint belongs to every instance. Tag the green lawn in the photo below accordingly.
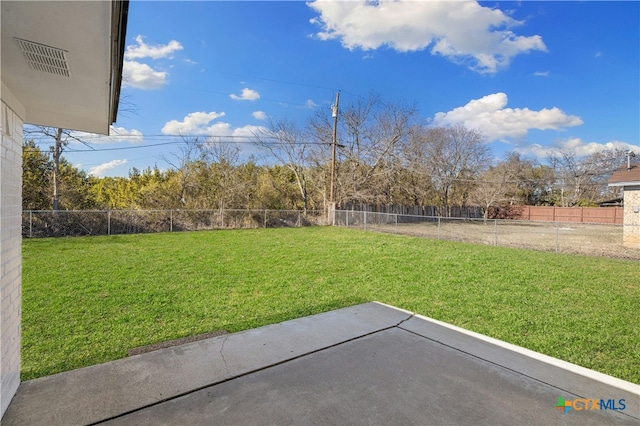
(88, 300)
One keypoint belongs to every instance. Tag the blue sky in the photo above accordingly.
(531, 76)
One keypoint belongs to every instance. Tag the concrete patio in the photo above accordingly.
(367, 364)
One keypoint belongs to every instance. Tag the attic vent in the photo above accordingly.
(44, 58)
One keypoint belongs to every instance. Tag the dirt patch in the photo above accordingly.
(176, 342)
(578, 238)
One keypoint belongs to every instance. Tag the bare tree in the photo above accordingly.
(286, 143)
(221, 157)
(371, 132)
(184, 163)
(369, 136)
(319, 134)
(523, 181)
(492, 187)
(529, 181)
(582, 180)
(452, 156)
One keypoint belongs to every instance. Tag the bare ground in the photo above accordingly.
(578, 238)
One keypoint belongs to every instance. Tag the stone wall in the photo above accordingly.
(631, 237)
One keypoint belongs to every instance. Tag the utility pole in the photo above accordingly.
(57, 151)
(334, 114)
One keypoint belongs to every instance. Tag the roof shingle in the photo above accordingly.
(624, 175)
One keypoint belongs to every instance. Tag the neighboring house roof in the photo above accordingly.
(62, 61)
(626, 176)
(612, 203)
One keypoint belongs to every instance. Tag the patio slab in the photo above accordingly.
(370, 363)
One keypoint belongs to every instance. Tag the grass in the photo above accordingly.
(88, 300)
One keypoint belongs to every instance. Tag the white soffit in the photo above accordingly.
(56, 61)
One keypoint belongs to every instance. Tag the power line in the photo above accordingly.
(549, 180)
(261, 98)
(208, 140)
(274, 80)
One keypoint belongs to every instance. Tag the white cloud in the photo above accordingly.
(144, 50)
(247, 131)
(489, 115)
(541, 73)
(259, 115)
(142, 76)
(120, 133)
(574, 145)
(200, 123)
(310, 104)
(247, 95)
(195, 123)
(461, 31)
(116, 134)
(101, 170)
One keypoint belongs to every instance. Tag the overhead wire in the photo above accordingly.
(180, 139)
(233, 139)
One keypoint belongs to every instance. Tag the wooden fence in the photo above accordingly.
(605, 215)
(611, 215)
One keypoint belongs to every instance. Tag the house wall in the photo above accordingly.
(10, 247)
(631, 233)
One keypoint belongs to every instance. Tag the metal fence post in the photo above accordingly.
(365, 219)
(495, 232)
(557, 237)
(265, 218)
(171, 220)
(30, 223)
(108, 222)
(396, 223)
(438, 227)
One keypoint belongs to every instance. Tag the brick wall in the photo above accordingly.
(631, 236)
(10, 253)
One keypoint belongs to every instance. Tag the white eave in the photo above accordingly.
(627, 184)
(74, 83)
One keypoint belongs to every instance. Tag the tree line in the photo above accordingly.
(385, 155)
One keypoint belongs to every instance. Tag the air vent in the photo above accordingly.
(45, 58)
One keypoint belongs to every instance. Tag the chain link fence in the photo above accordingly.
(64, 223)
(578, 238)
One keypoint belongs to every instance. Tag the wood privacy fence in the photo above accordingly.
(610, 215)
(604, 215)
